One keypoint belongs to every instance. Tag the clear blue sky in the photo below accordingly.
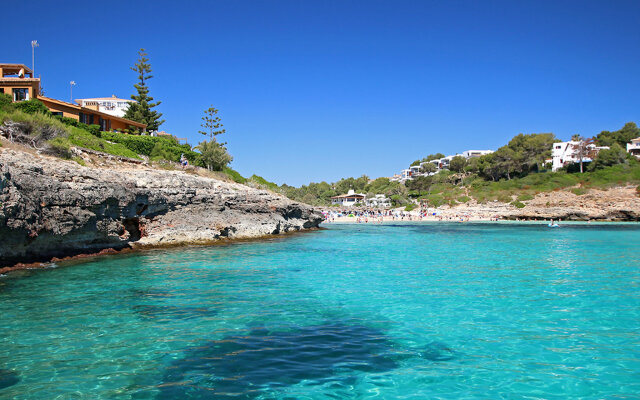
(319, 90)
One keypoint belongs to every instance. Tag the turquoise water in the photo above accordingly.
(351, 312)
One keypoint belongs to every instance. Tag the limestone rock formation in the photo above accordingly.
(53, 208)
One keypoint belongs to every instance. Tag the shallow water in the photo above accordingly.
(390, 312)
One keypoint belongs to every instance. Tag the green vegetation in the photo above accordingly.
(623, 136)
(141, 111)
(82, 138)
(156, 148)
(214, 154)
(211, 123)
(234, 175)
(514, 174)
(260, 181)
(430, 157)
(579, 191)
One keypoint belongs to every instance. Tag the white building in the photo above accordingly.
(565, 153)
(109, 105)
(415, 170)
(405, 174)
(634, 147)
(379, 200)
(475, 153)
(349, 199)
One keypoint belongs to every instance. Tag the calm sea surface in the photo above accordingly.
(352, 312)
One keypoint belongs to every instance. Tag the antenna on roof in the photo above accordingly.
(34, 44)
(71, 84)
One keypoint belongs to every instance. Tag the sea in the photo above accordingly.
(392, 311)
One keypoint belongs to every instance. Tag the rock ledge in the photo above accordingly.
(54, 208)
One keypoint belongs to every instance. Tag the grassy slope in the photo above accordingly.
(82, 138)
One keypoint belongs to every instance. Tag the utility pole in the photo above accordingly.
(34, 44)
(71, 84)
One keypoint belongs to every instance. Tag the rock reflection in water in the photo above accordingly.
(8, 378)
(240, 366)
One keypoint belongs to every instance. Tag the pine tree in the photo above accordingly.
(141, 111)
(212, 124)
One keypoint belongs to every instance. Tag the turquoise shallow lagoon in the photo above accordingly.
(406, 311)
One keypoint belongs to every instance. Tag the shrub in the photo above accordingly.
(94, 129)
(214, 155)
(234, 175)
(409, 207)
(607, 157)
(32, 130)
(435, 200)
(163, 151)
(518, 204)
(579, 191)
(32, 106)
(138, 144)
(525, 197)
(5, 102)
(463, 199)
(60, 146)
(263, 182)
(82, 138)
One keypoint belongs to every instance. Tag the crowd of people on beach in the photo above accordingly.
(373, 215)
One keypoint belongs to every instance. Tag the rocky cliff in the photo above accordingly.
(53, 208)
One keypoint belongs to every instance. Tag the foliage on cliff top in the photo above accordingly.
(48, 131)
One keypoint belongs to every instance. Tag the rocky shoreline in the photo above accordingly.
(616, 204)
(51, 208)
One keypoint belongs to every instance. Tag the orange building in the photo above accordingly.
(17, 81)
(89, 116)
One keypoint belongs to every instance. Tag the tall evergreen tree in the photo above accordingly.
(212, 124)
(141, 111)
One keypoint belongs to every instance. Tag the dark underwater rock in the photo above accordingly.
(8, 378)
(241, 366)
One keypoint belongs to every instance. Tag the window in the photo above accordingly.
(20, 94)
(57, 113)
(86, 118)
(105, 124)
(1, 90)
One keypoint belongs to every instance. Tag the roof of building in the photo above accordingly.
(88, 110)
(112, 98)
(344, 196)
(16, 66)
(15, 80)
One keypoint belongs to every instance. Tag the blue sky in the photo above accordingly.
(319, 90)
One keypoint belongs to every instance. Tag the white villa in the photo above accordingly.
(475, 153)
(108, 105)
(634, 147)
(349, 199)
(379, 200)
(442, 163)
(564, 153)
